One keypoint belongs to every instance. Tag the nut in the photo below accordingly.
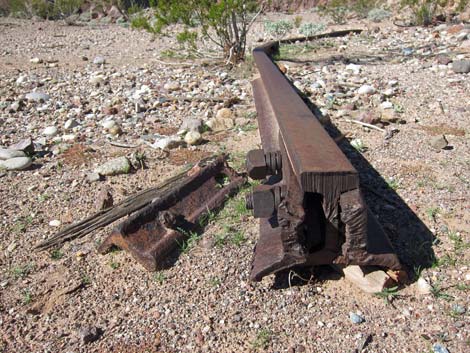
(256, 164)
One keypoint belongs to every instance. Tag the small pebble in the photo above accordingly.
(355, 318)
(55, 223)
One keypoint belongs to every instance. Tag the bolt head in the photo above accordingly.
(256, 164)
(263, 201)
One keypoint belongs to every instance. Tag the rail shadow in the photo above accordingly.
(410, 237)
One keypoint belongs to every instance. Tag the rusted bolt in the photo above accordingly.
(263, 200)
(260, 164)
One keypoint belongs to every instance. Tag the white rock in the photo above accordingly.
(224, 113)
(389, 92)
(21, 79)
(97, 80)
(366, 89)
(17, 163)
(36, 60)
(192, 138)
(99, 60)
(108, 124)
(8, 154)
(356, 69)
(386, 105)
(167, 142)
(68, 137)
(55, 223)
(423, 287)
(50, 131)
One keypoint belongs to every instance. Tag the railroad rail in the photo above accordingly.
(310, 207)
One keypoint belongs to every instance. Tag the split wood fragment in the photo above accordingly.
(124, 208)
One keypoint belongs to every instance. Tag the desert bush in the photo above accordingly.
(310, 29)
(187, 39)
(44, 8)
(424, 10)
(336, 10)
(363, 7)
(65, 8)
(279, 28)
(462, 5)
(224, 22)
(378, 15)
(139, 21)
(298, 21)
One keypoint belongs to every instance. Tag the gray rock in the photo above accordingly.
(191, 124)
(90, 334)
(37, 97)
(120, 165)
(70, 124)
(8, 154)
(355, 318)
(439, 348)
(17, 163)
(99, 60)
(439, 142)
(461, 66)
(171, 86)
(16, 106)
(93, 177)
(26, 145)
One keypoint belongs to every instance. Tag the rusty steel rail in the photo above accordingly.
(310, 207)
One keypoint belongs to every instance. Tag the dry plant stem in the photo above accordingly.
(123, 145)
(364, 124)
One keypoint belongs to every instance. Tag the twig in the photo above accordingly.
(364, 124)
(123, 145)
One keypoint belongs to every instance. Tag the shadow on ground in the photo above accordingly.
(410, 237)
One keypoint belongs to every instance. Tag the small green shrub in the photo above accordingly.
(298, 21)
(310, 29)
(336, 10)
(187, 39)
(278, 29)
(65, 8)
(378, 15)
(44, 8)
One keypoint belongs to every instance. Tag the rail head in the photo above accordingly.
(314, 156)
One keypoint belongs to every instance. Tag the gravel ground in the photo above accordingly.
(75, 300)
